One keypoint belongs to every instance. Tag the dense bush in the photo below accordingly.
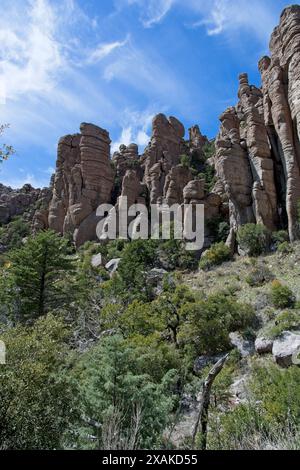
(218, 228)
(12, 234)
(259, 275)
(38, 396)
(285, 248)
(253, 239)
(281, 295)
(122, 405)
(219, 315)
(286, 321)
(271, 414)
(217, 254)
(280, 237)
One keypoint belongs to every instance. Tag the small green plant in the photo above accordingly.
(282, 296)
(209, 149)
(280, 237)
(285, 248)
(185, 161)
(253, 239)
(285, 321)
(216, 255)
(259, 276)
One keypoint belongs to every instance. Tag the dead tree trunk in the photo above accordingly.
(204, 403)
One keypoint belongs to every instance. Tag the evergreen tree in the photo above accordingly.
(35, 274)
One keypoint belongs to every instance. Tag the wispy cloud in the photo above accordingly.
(217, 16)
(226, 16)
(104, 50)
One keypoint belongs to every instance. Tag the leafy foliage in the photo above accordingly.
(33, 275)
(5, 150)
(219, 314)
(38, 396)
(282, 296)
(253, 239)
(217, 254)
(122, 405)
(12, 234)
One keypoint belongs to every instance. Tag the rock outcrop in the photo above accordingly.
(257, 160)
(83, 180)
(85, 177)
(14, 202)
(258, 149)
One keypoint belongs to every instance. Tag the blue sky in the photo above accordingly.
(116, 63)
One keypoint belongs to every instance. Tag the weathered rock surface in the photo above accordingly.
(263, 345)
(15, 202)
(163, 152)
(258, 149)
(245, 347)
(97, 260)
(83, 180)
(286, 348)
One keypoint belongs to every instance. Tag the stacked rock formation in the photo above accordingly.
(85, 177)
(257, 159)
(257, 149)
(83, 180)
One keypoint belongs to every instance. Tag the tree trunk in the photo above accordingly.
(204, 403)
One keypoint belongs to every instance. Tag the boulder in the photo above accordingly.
(286, 347)
(97, 260)
(263, 345)
(112, 265)
(245, 347)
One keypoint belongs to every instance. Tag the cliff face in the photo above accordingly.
(257, 159)
(257, 149)
(14, 202)
(83, 180)
(86, 177)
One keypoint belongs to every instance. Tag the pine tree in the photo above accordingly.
(35, 274)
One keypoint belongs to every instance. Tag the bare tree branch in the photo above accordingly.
(204, 403)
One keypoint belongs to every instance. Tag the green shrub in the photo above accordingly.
(271, 414)
(12, 234)
(282, 296)
(209, 149)
(280, 237)
(285, 321)
(209, 322)
(218, 228)
(285, 248)
(216, 255)
(118, 393)
(259, 275)
(185, 161)
(253, 239)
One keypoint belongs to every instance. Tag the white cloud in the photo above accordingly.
(18, 182)
(30, 55)
(152, 11)
(227, 16)
(217, 16)
(136, 128)
(104, 50)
